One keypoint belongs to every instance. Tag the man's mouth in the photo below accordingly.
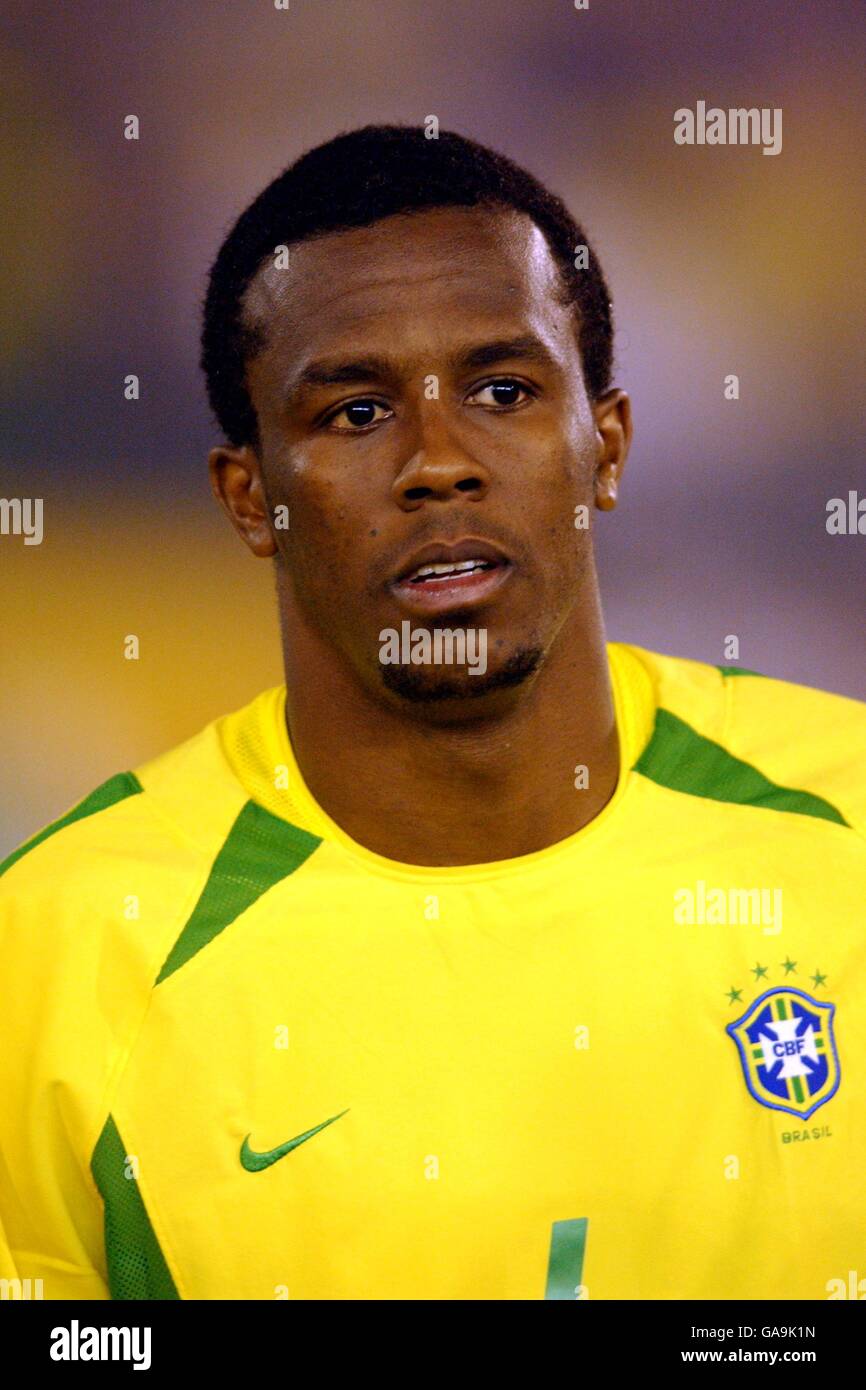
(439, 577)
(434, 573)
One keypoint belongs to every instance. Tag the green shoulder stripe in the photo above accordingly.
(136, 1264)
(677, 756)
(738, 671)
(260, 850)
(116, 789)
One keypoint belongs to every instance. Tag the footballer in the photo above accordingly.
(541, 976)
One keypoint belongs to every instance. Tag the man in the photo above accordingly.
(482, 960)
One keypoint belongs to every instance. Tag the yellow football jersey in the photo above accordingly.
(244, 1057)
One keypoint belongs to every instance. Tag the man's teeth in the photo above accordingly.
(460, 567)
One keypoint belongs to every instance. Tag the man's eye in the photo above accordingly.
(502, 394)
(356, 415)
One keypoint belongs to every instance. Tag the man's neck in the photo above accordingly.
(487, 789)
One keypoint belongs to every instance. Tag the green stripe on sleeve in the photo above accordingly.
(116, 789)
(260, 850)
(136, 1264)
(679, 757)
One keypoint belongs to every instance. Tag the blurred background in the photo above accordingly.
(721, 260)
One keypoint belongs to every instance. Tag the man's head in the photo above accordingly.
(408, 345)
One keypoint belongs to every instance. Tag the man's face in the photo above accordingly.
(421, 403)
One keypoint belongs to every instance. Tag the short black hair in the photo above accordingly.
(357, 179)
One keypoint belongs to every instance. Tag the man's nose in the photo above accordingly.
(440, 468)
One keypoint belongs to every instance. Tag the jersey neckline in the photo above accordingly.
(256, 743)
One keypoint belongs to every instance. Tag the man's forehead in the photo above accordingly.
(482, 254)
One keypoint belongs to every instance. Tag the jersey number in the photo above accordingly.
(565, 1265)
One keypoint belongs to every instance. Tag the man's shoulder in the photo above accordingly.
(770, 731)
(162, 820)
(92, 906)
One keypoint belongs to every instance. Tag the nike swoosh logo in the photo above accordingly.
(255, 1162)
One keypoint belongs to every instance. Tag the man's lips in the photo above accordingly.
(438, 576)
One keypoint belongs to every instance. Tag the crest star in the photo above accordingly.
(788, 965)
(735, 995)
(818, 978)
(759, 971)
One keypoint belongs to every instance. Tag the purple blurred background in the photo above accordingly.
(721, 260)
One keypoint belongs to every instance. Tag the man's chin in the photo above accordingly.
(451, 687)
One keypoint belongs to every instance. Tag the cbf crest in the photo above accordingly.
(788, 1051)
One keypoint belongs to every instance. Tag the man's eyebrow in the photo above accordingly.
(341, 372)
(487, 354)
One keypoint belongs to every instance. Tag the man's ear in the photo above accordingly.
(613, 431)
(236, 483)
